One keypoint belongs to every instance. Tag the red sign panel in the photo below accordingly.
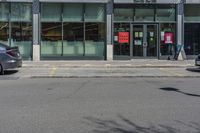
(168, 38)
(123, 37)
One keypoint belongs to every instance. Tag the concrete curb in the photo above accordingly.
(111, 66)
(36, 77)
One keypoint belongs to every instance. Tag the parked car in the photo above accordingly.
(10, 58)
(197, 60)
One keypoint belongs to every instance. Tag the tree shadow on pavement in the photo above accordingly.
(127, 126)
(179, 91)
(10, 72)
(196, 69)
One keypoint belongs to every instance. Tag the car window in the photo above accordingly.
(3, 47)
(2, 50)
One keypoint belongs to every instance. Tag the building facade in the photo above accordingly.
(101, 29)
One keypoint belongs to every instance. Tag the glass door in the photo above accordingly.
(144, 41)
(138, 40)
(152, 37)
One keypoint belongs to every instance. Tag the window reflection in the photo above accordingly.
(192, 13)
(51, 31)
(94, 39)
(123, 14)
(21, 36)
(51, 39)
(165, 13)
(4, 32)
(4, 11)
(51, 12)
(121, 48)
(21, 31)
(73, 12)
(94, 12)
(65, 33)
(20, 12)
(192, 39)
(144, 14)
(73, 39)
(164, 47)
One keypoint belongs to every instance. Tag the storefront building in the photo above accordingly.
(101, 29)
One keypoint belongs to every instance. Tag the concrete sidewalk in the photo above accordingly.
(99, 69)
(136, 63)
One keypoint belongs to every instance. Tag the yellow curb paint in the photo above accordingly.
(52, 71)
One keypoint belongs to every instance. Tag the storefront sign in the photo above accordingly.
(168, 38)
(137, 42)
(123, 37)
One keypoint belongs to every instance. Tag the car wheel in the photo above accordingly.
(1, 70)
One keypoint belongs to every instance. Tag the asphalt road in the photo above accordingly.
(99, 105)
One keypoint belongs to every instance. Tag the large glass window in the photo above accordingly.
(95, 12)
(51, 38)
(4, 24)
(16, 26)
(4, 11)
(73, 39)
(123, 14)
(192, 38)
(73, 12)
(22, 37)
(20, 12)
(94, 39)
(121, 48)
(21, 28)
(95, 30)
(167, 47)
(51, 12)
(165, 13)
(192, 13)
(75, 30)
(51, 43)
(144, 13)
(4, 32)
(192, 29)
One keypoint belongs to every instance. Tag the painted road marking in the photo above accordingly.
(107, 65)
(53, 71)
(87, 65)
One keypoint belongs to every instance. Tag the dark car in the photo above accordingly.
(10, 58)
(197, 60)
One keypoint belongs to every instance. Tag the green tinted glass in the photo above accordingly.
(122, 14)
(73, 12)
(51, 12)
(192, 13)
(4, 11)
(94, 12)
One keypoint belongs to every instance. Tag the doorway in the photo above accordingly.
(144, 41)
